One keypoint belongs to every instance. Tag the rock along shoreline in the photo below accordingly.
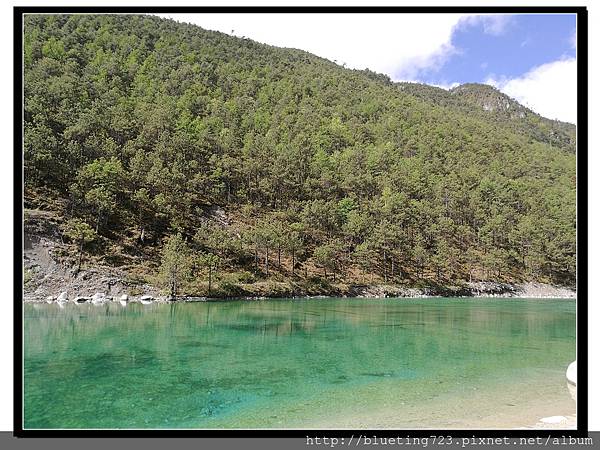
(81, 294)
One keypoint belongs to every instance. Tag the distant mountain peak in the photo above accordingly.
(487, 102)
(491, 99)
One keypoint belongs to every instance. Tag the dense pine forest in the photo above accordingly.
(200, 162)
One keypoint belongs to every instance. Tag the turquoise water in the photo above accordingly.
(295, 363)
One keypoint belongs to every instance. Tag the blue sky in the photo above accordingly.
(514, 46)
(529, 57)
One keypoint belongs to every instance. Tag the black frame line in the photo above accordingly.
(582, 222)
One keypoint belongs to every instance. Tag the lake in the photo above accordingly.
(305, 363)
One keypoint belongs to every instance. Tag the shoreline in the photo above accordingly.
(479, 290)
(164, 300)
(568, 422)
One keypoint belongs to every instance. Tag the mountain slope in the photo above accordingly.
(483, 100)
(281, 165)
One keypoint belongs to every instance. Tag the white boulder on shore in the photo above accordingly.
(99, 297)
(146, 299)
(124, 299)
(572, 379)
(49, 299)
(572, 373)
(554, 419)
(62, 298)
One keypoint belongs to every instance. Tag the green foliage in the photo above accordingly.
(176, 264)
(81, 234)
(27, 276)
(211, 263)
(54, 49)
(98, 185)
(145, 126)
(212, 236)
(328, 257)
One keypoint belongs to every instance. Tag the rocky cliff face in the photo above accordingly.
(490, 99)
(49, 268)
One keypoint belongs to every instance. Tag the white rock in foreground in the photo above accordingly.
(49, 299)
(124, 299)
(62, 298)
(99, 297)
(553, 419)
(572, 373)
(146, 299)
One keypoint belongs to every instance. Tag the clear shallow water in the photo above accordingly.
(315, 363)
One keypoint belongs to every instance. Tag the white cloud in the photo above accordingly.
(493, 24)
(400, 45)
(446, 86)
(549, 89)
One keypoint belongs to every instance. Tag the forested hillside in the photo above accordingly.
(489, 103)
(190, 157)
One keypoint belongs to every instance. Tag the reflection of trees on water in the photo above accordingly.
(371, 327)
